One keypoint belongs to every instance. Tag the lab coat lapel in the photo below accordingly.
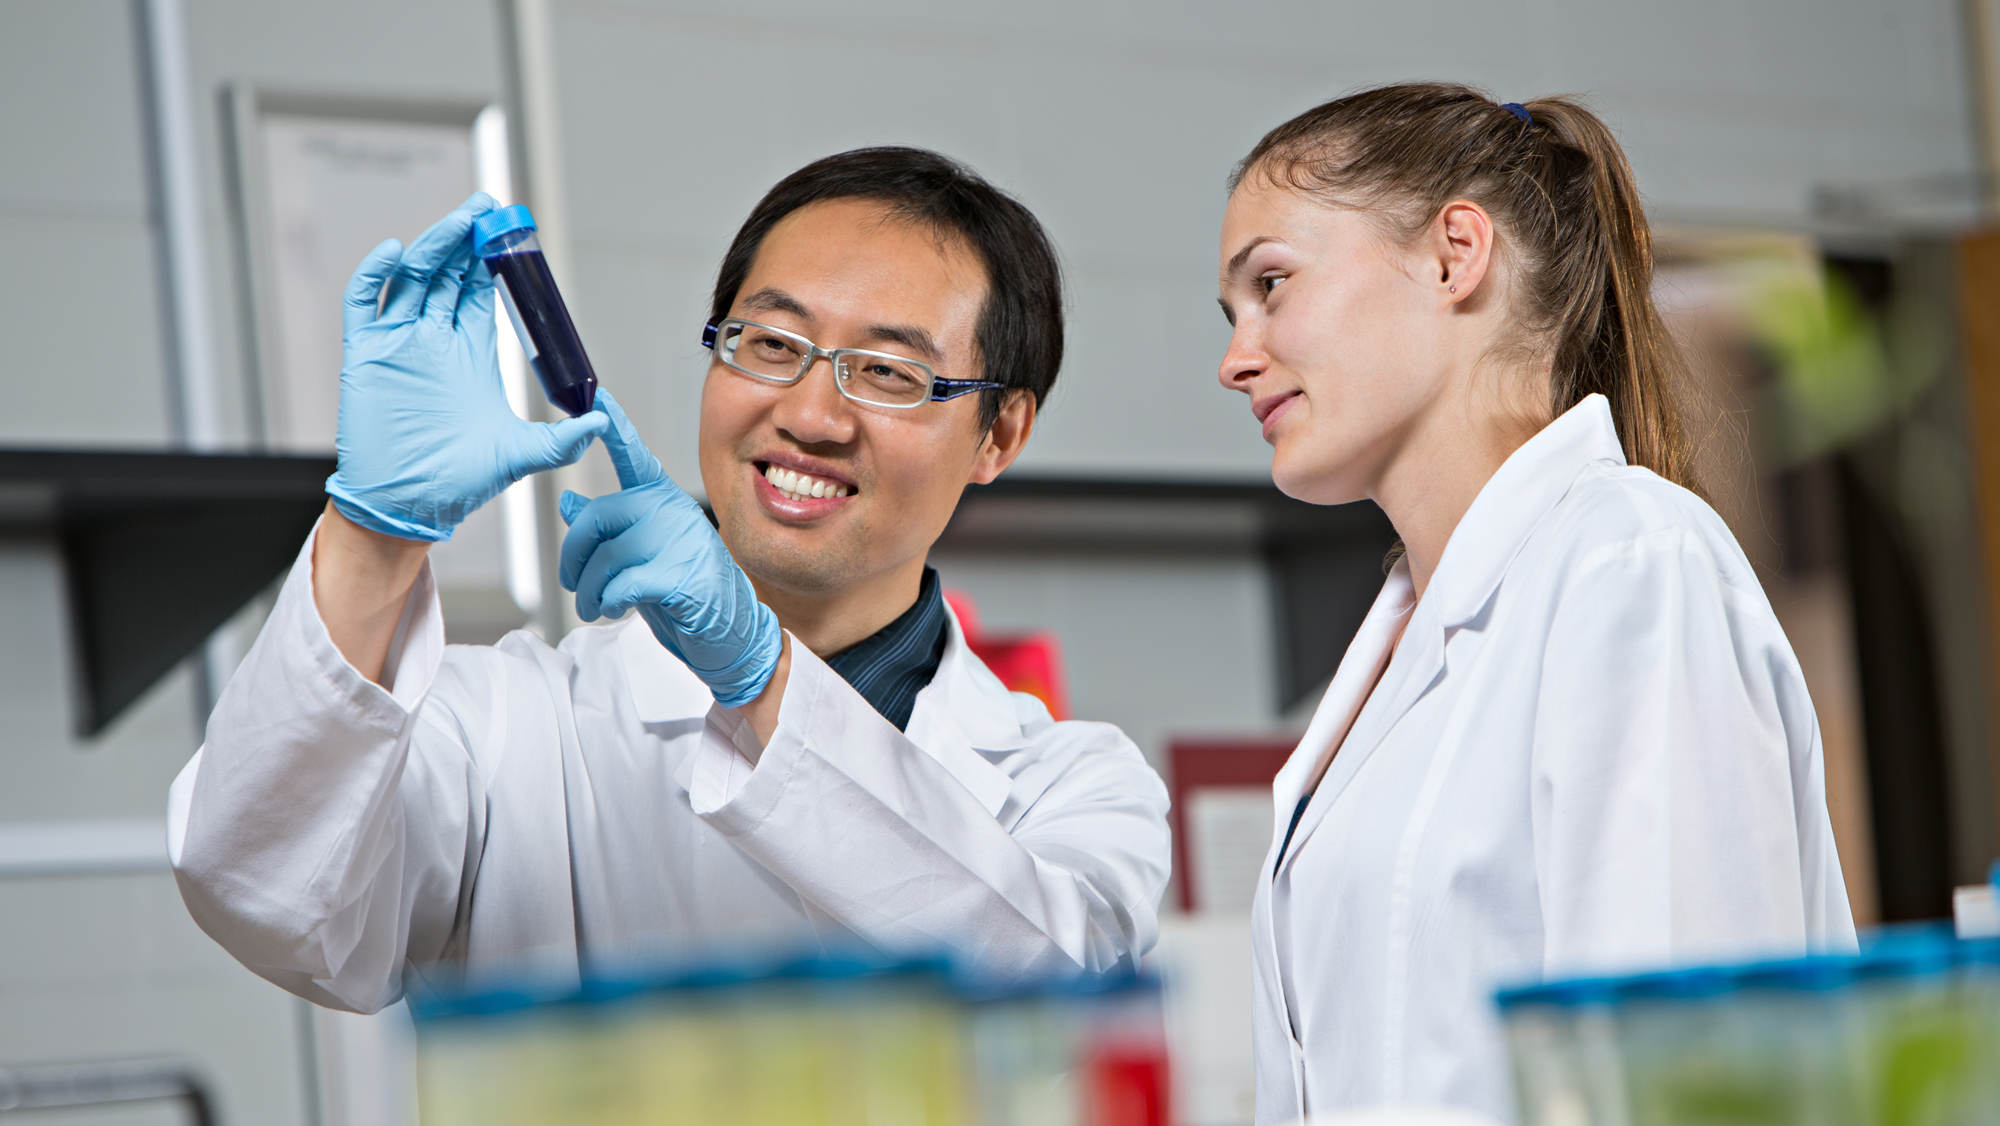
(963, 714)
(1341, 710)
(1412, 669)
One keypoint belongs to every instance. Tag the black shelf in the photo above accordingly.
(33, 1087)
(1325, 563)
(158, 550)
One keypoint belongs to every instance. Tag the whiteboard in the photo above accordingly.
(321, 179)
(335, 187)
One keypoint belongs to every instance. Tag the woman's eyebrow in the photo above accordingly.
(1237, 259)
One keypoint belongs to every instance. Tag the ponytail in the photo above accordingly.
(1618, 345)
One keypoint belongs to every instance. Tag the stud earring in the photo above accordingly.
(1452, 289)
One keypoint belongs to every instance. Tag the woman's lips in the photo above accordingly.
(1274, 408)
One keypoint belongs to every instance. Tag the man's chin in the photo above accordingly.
(794, 570)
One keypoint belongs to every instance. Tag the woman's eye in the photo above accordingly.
(1269, 282)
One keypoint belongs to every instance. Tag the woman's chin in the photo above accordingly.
(1315, 484)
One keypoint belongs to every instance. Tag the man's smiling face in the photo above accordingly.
(847, 273)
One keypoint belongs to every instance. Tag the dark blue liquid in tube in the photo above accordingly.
(505, 240)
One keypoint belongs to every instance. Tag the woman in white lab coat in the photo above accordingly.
(1570, 734)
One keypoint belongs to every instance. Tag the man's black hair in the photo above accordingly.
(1020, 331)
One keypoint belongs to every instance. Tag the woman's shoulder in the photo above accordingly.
(1614, 514)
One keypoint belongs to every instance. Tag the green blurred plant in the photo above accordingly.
(1833, 382)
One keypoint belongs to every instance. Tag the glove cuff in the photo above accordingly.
(374, 521)
(746, 680)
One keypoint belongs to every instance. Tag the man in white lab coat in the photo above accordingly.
(788, 741)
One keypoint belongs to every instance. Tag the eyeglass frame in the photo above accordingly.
(711, 335)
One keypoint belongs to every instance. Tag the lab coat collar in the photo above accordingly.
(1522, 491)
(964, 690)
(961, 716)
(966, 693)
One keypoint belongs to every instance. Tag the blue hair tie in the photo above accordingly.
(1520, 111)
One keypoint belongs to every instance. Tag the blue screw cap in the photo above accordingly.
(500, 221)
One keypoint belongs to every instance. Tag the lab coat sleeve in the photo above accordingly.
(921, 848)
(307, 836)
(1678, 791)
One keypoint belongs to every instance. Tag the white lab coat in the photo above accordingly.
(1591, 749)
(518, 807)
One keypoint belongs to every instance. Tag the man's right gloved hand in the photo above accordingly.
(650, 547)
(425, 433)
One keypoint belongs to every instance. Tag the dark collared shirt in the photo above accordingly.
(890, 666)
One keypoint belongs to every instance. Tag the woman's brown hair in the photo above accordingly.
(1567, 220)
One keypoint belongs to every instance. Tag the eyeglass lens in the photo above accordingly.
(781, 356)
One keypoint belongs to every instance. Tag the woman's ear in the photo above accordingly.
(1461, 242)
(1004, 439)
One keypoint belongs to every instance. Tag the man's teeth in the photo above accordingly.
(798, 486)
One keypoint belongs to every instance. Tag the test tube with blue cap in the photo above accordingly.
(505, 240)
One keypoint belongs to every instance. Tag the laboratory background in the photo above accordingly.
(187, 183)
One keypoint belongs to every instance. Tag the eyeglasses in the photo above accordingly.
(876, 378)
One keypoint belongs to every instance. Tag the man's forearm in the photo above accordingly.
(361, 581)
(763, 711)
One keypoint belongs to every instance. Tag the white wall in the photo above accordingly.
(79, 301)
(1117, 122)
(110, 967)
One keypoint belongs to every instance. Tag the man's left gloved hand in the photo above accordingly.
(650, 547)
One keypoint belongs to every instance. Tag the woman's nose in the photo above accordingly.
(1243, 362)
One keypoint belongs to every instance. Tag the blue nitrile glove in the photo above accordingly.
(425, 432)
(649, 547)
